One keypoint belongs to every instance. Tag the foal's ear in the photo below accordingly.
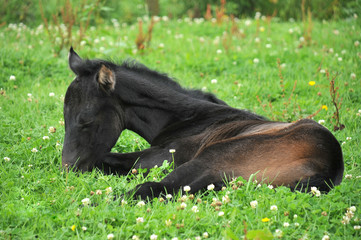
(75, 62)
(106, 79)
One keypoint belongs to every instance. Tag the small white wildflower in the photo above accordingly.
(286, 224)
(278, 233)
(123, 202)
(110, 236)
(339, 59)
(248, 22)
(226, 199)
(270, 186)
(82, 43)
(297, 224)
(353, 75)
(268, 45)
(348, 138)
(322, 71)
(30, 95)
(30, 165)
(210, 187)
(172, 150)
(343, 52)
(34, 150)
(357, 227)
(198, 238)
(295, 216)
(135, 237)
(183, 205)
(357, 43)
(52, 129)
(214, 81)
(175, 238)
(153, 237)
(86, 201)
(6, 159)
(140, 203)
(98, 192)
(343, 143)
(219, 51)
(46, 138)
(274, 208)
(161, 45)
(290, 30)
(12, 78)
(315, 191)
(254, 204)
(326, 237)
(140, 220)
(195, 209)
(51, 94)
(205, 235)
(302, 39)
(168, 222)
(186, 188)
(221, 213)
(108, 190)
(331, 50)
(168, 196)
(257, 40)
(256, 60)
(84, 228)
(352, 209)
(322, 122)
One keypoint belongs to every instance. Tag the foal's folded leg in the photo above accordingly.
(194, 174)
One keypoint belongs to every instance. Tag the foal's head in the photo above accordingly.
(93, 117)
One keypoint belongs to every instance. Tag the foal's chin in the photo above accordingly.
(81, 163)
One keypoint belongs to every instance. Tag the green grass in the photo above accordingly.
(39, 200)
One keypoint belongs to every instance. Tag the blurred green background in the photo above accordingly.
(28, 11)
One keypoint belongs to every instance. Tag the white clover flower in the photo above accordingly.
(86, 201)
(195, 209)
(140, 203)
(256, 60)
(286, 224)
(110, 236)
(290, 30)
(353, 75)
(12, 78)
(297, 224)
(270, 186)
(268, 45)
(339, 59)
(205, 235)
(52, 129)
(326, 237)
(254, 204)
(34, 150)
(98, 192)
(123, 202)
(274, 208)
(51, 94)
(172, 150)
(186, 188)
(322, 122)
(357, 43)
(183, 205)
(108, 190)
(295, 216)
(315, 191)
(226, 199)
(198, 238)
(135, 237)
(6, 159)
(210, 187)
(168, 196)
(357, 227)
(168, 222)
(84, 228)
(30, 95)
(348, 138)
(175, 238)
(46, 138)
(140, 220)
(214, 81)
(161, 45)
(248, 22)
(82, 43)
(257, 40)
(221, 213)
(153, 237)
(352, 209)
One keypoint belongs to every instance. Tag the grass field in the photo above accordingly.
(39, 200)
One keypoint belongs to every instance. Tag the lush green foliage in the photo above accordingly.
(38, 199)
(28, 11)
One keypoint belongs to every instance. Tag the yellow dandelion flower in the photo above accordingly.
(265, 219)
(73, 228)
(311, 83)
(324, 107)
